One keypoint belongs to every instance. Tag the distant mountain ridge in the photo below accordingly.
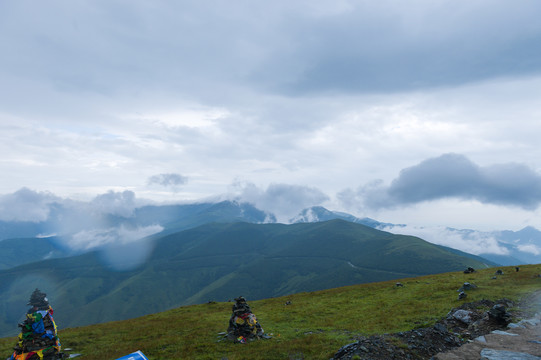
(319, 213)
(63, 221)
(522, 246)
(219, 261)
(25, 242)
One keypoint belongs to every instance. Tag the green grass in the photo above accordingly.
(314, 326)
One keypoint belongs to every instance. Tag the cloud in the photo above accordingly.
(529, 248)
(391, 46)
(167, 180)
(473, 242)
(26, 205)
(283, 200)
(115, 203)
(121, 248)
(452, 176)
(98, 238)
(297, 46)
(307, 92)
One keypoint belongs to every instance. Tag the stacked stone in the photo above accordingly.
(243, 325)
(38, 339)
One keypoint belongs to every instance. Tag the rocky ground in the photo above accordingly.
(461, 326)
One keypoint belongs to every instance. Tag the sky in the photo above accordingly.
(424, 113)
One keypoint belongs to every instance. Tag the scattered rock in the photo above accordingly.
(463, 324)
(499, 314)
(491, 354)
(467, 286)
(501, 332)
(462, 295)
(399, 284)
(440, 328)
(530, 322)
(480, 339)
(463, 315)
(499, 272)
(469, 270)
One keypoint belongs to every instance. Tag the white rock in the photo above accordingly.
(481, 339)
(499, 332)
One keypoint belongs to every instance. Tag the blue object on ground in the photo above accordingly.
(138, 355)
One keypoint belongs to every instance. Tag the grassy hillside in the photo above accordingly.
(14, 252)
(314, 326)
(219, 261)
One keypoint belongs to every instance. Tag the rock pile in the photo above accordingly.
(461, 325)
(243, 324)
(38, 339)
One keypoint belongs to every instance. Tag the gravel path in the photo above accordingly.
(521, 341)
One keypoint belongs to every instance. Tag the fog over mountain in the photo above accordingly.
(119, 223)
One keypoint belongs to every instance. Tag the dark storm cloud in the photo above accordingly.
(454, 176)
(167, 180)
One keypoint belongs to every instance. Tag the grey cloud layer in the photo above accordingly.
(416, 45)
(454, 176)
(106, 47)
(99, 95)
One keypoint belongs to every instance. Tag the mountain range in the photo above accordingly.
(185, 254)
(62, 223)
(220, 261)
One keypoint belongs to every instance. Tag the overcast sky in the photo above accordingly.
(418, 112)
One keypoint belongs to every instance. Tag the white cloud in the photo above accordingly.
(473, 242)
(26, 205)
(121, 248)
(529, 248)
(283, 200)
(99, 238)
(115, 203)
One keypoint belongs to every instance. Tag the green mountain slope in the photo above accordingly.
(26, 246)
(219, 262)
(14, 252)
(313, 326)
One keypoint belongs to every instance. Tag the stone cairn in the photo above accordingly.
(243, 324)
(38, 339)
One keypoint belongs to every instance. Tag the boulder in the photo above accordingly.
(499, 314)
(463, 315)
